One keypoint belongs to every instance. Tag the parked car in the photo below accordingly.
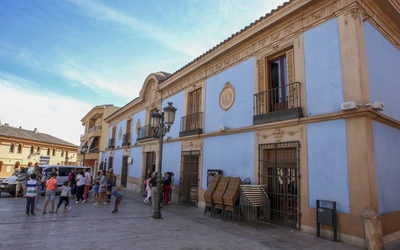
(9, 184)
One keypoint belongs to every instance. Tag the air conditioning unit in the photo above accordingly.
(349, 106)
(221, 128)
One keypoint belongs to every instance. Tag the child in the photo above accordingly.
(64, 196)
(118, 198)
(31, 190)
(96, 186)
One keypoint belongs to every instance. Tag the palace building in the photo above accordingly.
(303, 100)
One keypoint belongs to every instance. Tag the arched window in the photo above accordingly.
(38, 150)
(54, 152)
(48, 151)
(19, 149)
(62, 153)
(11, 150)
(32, 150)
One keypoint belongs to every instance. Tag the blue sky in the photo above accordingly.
(59, 59)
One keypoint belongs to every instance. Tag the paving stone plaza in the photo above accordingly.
(182, 227)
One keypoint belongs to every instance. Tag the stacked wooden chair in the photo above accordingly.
(219, 194)
(208, 195)
(231, 197)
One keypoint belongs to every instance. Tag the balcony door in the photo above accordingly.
(194, 107)
(278, 83)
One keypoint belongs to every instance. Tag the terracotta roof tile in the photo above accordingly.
(6, 130)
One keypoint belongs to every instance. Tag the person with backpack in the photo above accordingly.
(110, 182)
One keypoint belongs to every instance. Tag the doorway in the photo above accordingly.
(124, 171)
(189, 177)
(150, 168)
(279, 170)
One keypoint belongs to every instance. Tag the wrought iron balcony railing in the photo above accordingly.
(126, 139)
(111, 143)
(278, 104)
(146, 132)
(191, 124)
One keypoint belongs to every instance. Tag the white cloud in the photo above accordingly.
(49, 112)
(171, 40)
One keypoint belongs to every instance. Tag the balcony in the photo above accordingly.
(92, 132)
(278, 104)
(94, 128)
(191, 125)
(146, 132)
(126, 139)
(111, 143)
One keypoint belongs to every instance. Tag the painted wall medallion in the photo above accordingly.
(227, 96)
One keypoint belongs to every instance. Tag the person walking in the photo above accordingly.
(88, 184)
(51, 186)
(148, 189)
(64, 196)
(32, 189)
(102, 189)
(80, 186)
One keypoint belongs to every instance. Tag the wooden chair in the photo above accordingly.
(231, 196)
(218, 195)
(212, 186)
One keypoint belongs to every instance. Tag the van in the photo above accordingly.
(62, 173)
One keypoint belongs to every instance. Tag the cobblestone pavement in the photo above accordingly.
(183, 227)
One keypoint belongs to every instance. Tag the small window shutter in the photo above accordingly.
(290, 76)
(261, 75)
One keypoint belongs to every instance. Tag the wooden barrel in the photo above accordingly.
(193, 194)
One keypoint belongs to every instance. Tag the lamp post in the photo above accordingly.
(84, 151)
(161, 123)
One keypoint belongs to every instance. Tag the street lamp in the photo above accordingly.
(161, 123)
(84, 151)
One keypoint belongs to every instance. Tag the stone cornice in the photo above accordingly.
(374, 14)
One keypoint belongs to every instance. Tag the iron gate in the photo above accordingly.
(279, 169)
(188, 184)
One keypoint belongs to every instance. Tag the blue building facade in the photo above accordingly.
(266, 105)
